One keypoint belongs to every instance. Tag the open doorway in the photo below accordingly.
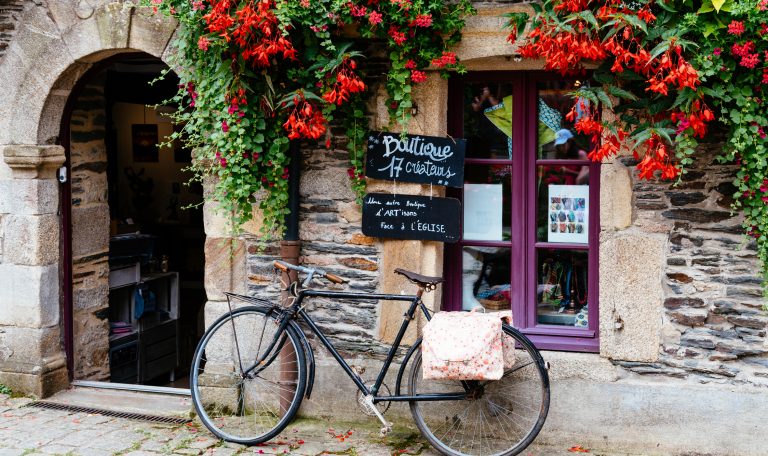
(136, 250)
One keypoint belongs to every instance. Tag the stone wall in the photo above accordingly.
(9, 22)
(713, 322)
(90, 234)
(331, 239)
(31, 360)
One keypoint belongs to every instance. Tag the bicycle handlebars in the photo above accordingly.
(283, 266)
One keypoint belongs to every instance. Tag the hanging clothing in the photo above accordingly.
(501, 116)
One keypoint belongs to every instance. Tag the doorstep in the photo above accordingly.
(171, 405)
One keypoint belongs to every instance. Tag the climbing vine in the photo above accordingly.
(667, 70)
(256, 74)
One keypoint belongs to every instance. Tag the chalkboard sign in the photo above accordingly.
(420, 159)
(411, 217)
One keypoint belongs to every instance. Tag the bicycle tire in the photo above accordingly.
(467, 427)
(239, 409)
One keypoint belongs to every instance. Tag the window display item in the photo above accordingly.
(568, 209)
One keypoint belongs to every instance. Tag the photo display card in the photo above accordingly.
(568, 214)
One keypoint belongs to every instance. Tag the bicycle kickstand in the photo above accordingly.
(387, 428)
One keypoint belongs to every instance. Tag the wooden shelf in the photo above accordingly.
(151, 349)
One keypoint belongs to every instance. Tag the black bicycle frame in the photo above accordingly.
(296, 309)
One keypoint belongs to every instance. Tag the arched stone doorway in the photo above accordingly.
(56, 45)
(134, 289)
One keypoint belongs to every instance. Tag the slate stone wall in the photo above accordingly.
(714, 325)
(90, 234)
(332, 240)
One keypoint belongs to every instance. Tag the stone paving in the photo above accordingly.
(26, 430)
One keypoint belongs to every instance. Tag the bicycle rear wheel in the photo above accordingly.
(253, 407)
(499, 418)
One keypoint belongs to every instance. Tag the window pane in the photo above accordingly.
(556, 135)
(561, 292)
(488, 119)
(563, 205)
(487, 202)
(485, 277)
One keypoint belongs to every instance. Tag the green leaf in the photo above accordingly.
(604, 99)
(665, 6)
(718, 4)
(706, 7)
(636, 22)
(658, 50)
(621, 93)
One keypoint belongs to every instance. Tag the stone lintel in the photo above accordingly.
(33, 161)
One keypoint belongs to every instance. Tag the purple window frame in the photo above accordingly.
(523, 244)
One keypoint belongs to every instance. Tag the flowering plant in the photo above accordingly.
(256, 74)
(668, 69)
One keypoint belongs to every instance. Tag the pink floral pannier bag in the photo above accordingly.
(466, 346)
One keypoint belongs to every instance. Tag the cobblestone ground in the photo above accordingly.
(26, 430)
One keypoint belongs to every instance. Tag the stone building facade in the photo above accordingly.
(683, 350)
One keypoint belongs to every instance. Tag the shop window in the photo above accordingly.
(530, 207)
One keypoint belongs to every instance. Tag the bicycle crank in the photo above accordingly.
(377, 409)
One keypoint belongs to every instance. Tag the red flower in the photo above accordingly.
(448, 58)
(374, 18)
(357, 10)
(347, 83)
(304, 121)
(422, 20)
(224, 126)
(418, 76)
(742, 50)
(203, 43)
(410, 64)
(396, 35)
(736, 28)
(750, 60)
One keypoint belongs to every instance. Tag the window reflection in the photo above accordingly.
(555, 103)
(485, 278)
(488, 120)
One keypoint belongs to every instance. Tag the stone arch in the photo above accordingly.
(54, 47)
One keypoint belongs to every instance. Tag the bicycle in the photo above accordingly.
(254, 365)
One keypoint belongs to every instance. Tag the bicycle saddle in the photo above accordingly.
(423, 281)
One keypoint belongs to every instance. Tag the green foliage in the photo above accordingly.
(703, 61)
(255, 73)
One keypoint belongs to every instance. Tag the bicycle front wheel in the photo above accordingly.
(498, 418)
(235, 399)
